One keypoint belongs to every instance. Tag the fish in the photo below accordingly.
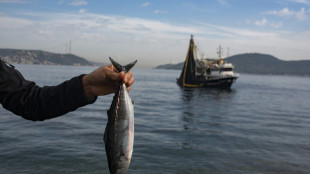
(119, 131)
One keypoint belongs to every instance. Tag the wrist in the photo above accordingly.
(88, 88)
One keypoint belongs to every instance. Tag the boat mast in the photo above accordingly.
(220, 51)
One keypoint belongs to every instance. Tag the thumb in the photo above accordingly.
(115, 76)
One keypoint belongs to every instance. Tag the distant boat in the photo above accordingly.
(201, 72)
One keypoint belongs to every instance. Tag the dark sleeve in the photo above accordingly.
(35, 103)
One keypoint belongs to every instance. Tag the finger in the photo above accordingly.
(114, 75)
(130, 82)
(128, 89)
(129, 74)
(122, 75)
(127, 77)
(112, 68)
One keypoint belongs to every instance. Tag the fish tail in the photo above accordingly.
(120, 68)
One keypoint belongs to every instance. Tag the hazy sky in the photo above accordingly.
(157, 31)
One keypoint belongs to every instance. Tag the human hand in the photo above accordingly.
(105, 80)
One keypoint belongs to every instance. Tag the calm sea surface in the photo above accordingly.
(261, 125)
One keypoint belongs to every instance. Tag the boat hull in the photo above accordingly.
(210, 83)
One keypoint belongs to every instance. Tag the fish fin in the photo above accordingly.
(120, 68)
(129, 66)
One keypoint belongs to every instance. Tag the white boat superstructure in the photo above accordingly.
(214, 68)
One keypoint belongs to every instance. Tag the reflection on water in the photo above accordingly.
(203, 112)
(203, 102)
(211, 93)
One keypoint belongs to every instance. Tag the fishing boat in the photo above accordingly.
(202, 72)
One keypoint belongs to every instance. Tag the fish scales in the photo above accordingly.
(119, 132)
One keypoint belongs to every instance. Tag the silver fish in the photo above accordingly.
(119, 132)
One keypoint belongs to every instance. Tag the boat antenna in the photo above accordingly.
(220, 51)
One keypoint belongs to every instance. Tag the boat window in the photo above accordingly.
(227, 69)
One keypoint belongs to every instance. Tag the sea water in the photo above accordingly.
(260, 125)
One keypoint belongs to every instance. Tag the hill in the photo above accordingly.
(41, 57)
(256, 63)
(177, 66)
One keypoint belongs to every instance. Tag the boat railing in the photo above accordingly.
(219, 77)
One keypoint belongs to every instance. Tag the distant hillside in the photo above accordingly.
(41, 57)
(256, 63)
(171, 66)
